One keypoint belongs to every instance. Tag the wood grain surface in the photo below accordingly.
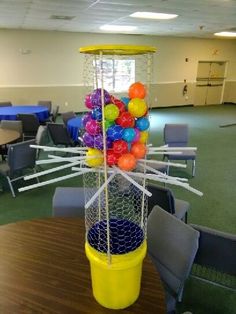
(8, 136)
(43, 269)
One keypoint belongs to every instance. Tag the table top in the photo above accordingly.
(10, 113)
(75, 122)
(73, 126)
(8, 136)
(44, 269)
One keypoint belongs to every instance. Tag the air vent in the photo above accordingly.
(62, 17)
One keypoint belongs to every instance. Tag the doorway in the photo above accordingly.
(210, 82)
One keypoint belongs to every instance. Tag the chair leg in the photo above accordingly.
(193, 167)
(11, 187)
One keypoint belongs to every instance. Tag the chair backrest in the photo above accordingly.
(12, 125)
(55, 112)
(172, 245)
(21, 156)
(45, 103)
(176, 134)
(67, 116)
(59, 134)
(40, 134)
(30, 123)
(5, 104)
(162, 197)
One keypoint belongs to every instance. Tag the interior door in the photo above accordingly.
(210, 82)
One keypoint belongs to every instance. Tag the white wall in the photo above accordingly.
(53, 67)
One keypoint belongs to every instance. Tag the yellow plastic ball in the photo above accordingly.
(137, 107)
(97, 160)
(143, 137)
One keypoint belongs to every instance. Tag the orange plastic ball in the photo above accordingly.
(127, 162)
(137, 90)
(138, 150)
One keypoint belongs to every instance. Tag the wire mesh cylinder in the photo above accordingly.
(116, 218)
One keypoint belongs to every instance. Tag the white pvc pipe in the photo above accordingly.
(133, 182)
(173, 148)
(163, 163)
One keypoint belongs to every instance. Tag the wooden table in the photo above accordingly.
(43, 269)
(8, 136)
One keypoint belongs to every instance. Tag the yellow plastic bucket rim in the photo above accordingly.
(117, 49)
(118, 261)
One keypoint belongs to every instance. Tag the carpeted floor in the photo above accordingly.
(215, 177)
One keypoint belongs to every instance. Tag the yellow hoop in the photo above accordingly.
(117, 49)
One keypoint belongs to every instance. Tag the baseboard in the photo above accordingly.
(173, 106)
(229, 103)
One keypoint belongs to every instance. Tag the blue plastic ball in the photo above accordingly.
(115, 132)
(142, 124)
(128, 134)
(97, 113)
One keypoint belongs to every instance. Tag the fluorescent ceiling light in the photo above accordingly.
(117, 28)
(155, 16)
(226, 34)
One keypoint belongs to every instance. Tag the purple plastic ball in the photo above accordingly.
(88, 139)
(137, 135)
(86, 117)
(98, 142)
(115, 132)
(96, 97)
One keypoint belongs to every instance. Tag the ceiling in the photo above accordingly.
(197, 18)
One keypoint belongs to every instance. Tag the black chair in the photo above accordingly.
(19, 158)
(59, 134)
(46, 103)
(164, 198)
(172, 246)
(30, 124)
(177, 135)
(5, 104)
(216, 258)
(66, 116)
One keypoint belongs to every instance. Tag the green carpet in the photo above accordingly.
(215, 177)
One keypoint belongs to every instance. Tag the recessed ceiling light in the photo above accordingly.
(155, 16)
(117, 28)
(226, 34)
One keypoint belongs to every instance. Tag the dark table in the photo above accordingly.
(10, 113)
(43, 269)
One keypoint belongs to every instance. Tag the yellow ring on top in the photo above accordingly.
(117, 49)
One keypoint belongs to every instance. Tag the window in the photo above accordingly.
(118, 75)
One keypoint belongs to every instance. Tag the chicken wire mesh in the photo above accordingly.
(116, 219)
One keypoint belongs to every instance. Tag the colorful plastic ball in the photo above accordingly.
(112, 157)
(137, 90)
(86, 117)
(137, 135)
(97, 160)
(115, 132)
(128, 134)
(120, 147)
(87, 101)
(125, 100)
(98, 142)
(137, 107)
(108, 124)
(138, 150)
(142, 123)
(96, 97)
(93, 127)
(88, 139)
(97, 113)
(143, 137)
(111, 112)
(119, 103)
(126, 120)
(127, 162)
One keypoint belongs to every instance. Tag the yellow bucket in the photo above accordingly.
(116, 285)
